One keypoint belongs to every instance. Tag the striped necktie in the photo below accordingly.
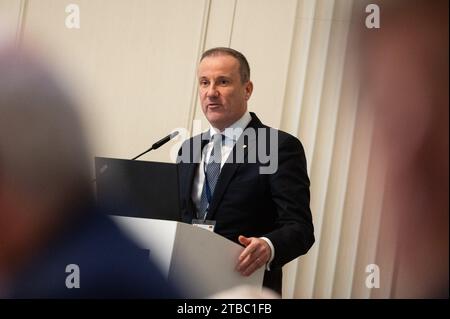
(212, 172)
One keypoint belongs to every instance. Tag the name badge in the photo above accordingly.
(205, 224)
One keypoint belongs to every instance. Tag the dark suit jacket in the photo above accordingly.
(248, 203)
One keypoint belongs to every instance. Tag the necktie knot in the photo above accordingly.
(216, 153)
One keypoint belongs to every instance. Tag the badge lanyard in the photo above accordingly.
(207, 189)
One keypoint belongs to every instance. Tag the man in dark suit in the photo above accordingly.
(247, 179)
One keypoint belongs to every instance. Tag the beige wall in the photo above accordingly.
(11, 14)
(134, 64)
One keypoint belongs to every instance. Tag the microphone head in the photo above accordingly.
(158, 144)
(173, 134)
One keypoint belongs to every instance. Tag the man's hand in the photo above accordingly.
(256, 254)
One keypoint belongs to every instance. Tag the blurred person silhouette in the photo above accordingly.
(404, 67)
(53, 242)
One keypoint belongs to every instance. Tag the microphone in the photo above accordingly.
(158, 144)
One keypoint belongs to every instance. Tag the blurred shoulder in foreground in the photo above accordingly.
(53, 242)
(404, 70)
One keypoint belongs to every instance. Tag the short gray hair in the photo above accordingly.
(43, 153)
(244, 68)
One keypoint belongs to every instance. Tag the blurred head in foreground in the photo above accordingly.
(43, 156)
(47, 217)
(405, 82)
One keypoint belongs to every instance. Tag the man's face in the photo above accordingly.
(222, 94)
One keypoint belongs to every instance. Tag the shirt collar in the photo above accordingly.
(234, 131)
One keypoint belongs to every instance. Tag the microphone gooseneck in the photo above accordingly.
(158, 144)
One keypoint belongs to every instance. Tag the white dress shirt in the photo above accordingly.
(232, 134)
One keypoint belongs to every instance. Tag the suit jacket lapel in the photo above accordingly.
(195, 159)
(225, 177)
